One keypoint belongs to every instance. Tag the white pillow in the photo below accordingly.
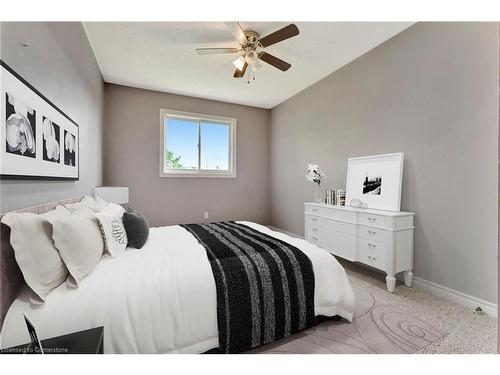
(80, 244)
(38, 259)
(95, 204)
(117, 209)
(112, 230)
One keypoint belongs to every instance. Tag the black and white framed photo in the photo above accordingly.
(51, 141)
(69, 148)
(39, 141)
(376, 181)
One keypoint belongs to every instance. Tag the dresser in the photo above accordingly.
(379, 239)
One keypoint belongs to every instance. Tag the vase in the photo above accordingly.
(318, 197)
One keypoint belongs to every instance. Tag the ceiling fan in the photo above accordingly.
(251, 48)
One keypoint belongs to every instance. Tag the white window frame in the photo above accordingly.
(210, 173)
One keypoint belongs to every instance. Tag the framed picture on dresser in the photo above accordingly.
(38, 140)
(375, 181)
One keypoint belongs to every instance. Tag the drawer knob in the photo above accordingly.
(372, 232)
(315, 209)
(372, 219)
(315, 229)
(315, 220)
(315, 238)
(371, 258)
(372, 245)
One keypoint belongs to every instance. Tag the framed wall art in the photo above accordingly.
(37, 139)
(375, 181)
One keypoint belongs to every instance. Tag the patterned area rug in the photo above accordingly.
(376, 328)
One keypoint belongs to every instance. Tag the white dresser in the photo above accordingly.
(380, 239)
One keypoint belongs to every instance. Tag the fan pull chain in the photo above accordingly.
(250, 77)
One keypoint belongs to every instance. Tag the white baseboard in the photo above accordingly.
(455, 296)
(438, 290)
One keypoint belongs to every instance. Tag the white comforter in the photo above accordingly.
(160, 299)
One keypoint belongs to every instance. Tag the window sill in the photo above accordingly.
(197, 175)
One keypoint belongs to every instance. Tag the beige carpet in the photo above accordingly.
(407, 321)
(467, 332)
(376, 329)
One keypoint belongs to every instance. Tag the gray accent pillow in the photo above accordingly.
(137, 228)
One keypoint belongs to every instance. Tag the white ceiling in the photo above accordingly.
(161, 56)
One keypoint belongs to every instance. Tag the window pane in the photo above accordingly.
(182, 143)
(214, 146)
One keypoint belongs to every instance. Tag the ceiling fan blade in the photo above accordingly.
(274, 61)
(240, 73)
(213, 51)
(282, 34)
(237, 31)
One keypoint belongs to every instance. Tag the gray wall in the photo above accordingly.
(60, 63)
(432, 93)
(131, 158)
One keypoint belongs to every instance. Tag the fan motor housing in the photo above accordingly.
(252, 38)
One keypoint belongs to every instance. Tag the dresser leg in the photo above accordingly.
(391, 282)
(408, 276)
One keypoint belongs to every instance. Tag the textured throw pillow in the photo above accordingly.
(95, 204)
(112, 230)
(117, 209)
(38, 259)
(137, 228)
(80, 244)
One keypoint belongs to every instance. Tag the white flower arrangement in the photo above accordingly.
(314, 174)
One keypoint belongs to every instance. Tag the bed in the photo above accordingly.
(159, 299)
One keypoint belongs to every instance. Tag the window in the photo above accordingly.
(194, 145)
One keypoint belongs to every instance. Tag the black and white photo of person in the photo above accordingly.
(69, 148)
(51, 136)
(372, 185)
(20, 127)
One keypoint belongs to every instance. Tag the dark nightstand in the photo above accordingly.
(90, 341)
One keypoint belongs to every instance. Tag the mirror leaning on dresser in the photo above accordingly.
(377, 238)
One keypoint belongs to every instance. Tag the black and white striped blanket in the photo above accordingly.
(265, 286)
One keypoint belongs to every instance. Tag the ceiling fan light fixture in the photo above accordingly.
(251, 57)
(239, 63)
(256, 65)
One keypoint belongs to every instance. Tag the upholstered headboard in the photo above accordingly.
(11, 278)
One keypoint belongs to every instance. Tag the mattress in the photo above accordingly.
(161, 298)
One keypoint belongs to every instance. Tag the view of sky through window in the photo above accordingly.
(182, 144)
(214, 146)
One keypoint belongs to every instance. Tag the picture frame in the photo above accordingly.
(38, 141)
(376, 181)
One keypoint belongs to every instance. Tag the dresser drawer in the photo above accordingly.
(313, 226)
(341, 244)
(373, 219)
(372, 253)
(313, 223)
(318, 236)
(374, 234)
(317, 223)
(315, 239)
(331, 213)
(337, 237)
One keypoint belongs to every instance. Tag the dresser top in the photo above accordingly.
(366, 210)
